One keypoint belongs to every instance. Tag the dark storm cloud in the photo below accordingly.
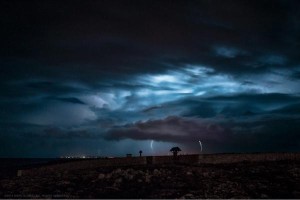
(263, 133)
(231, 105)
(172, 129)
(109, 40)
(79, 69)
(68, 100)
(127, 37)
(52, 87)
(293, 109)
(28, 140)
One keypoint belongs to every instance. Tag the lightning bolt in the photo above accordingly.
(200, 145)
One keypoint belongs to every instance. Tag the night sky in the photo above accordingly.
(107, 78)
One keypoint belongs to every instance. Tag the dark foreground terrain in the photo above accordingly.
(271, 179)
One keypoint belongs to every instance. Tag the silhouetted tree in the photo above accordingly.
(140, 153)
(175, 150)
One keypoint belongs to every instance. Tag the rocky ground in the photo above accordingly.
(276, 179)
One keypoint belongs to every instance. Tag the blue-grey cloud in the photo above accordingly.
(68, 100)
(219, 134)
(110, 65)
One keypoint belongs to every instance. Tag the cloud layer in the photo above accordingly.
(108, 77)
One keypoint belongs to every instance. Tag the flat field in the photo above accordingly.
(261, 179)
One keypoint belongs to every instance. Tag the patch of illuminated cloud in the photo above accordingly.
(275, 81)
(200, 93)
(273, 60)
(94, 100)
(150, 90)
(227, 52)
(173, 85)
(62, 114)
(198, 70)
(163, 78)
